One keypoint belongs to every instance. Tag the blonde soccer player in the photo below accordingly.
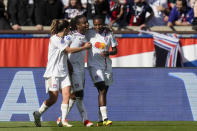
(100, 65)
(57, 74)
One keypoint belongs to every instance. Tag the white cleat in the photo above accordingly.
(37, 115)
(65, 124)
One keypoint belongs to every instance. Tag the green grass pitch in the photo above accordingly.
(117, 126)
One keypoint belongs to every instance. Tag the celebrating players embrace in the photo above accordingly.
(65, 69)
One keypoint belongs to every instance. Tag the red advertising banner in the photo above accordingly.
(132, 52)
(27, 52)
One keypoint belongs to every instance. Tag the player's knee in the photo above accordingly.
(79, 94)
(72, 96)
(101, 86)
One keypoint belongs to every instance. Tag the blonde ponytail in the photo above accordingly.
(54, 26)
(58, 25)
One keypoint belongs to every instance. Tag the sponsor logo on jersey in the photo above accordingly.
(100, 45)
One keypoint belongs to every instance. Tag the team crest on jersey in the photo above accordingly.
(106, 38)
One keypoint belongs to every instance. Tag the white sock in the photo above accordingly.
(70, 105)
(64, 109)
(99, 115)
(81, 108)
(43, 108)
(103, 110)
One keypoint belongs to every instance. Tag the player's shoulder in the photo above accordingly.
(53, 38)
(68, 38)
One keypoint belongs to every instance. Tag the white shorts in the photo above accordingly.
(99, 75)
(57, 83)
(78, 81)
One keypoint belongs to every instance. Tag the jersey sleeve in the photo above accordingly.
(113, 41)
(65, 42)
(68, 39)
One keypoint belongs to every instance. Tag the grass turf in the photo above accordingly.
(117, 126)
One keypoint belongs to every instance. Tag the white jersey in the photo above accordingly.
(77, 59)
(100, 43)
(57, 58)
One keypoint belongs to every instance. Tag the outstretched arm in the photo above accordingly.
(77, 49)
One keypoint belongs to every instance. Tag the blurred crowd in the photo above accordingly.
(120, 13)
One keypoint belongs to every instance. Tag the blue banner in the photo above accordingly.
(137, 94)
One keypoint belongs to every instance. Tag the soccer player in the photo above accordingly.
(56, 74)
(99, 64)
(77, 60)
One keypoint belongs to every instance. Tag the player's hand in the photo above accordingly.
(87, 45)
(105, 53)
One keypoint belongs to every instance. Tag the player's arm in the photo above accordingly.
(113, 45)
(107, 53)
(87, 45)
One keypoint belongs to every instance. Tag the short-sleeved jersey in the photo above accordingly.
(57, 58)
(77, 59)
(100, 43)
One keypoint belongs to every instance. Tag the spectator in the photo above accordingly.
(84, 3)
(75, 8)
(181, 14)
(4, 23)
(140, 13)
(118, 13)
(21, 13)
(65, 3)
(171, 3)
(194, 6)
(97, 7)
(46, 11)
(159, 8)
